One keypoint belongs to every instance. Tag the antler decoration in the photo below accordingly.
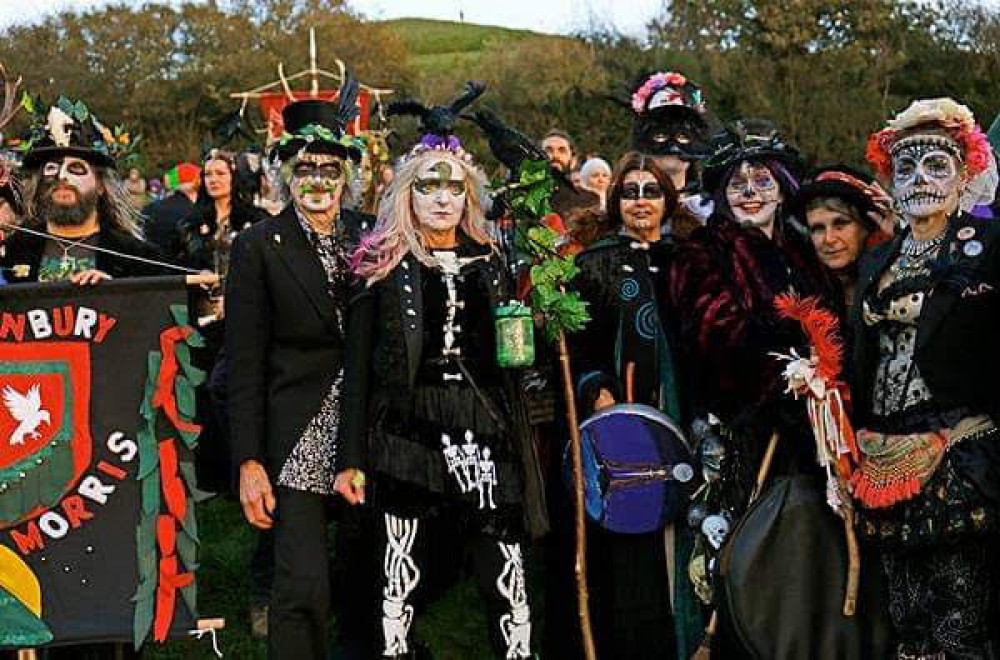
(10, 101)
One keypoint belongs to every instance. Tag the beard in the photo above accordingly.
(60, 214)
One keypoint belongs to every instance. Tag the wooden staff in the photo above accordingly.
(580, 565)
(853, 564)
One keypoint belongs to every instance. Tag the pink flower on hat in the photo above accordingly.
(977, 149)
(653, 84)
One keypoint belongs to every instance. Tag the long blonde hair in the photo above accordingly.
(396, 232)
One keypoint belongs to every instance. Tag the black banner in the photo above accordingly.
(98, 538)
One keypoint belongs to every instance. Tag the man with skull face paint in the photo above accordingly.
(435, 423)
(286, 299)
(73, 193)
(926, 360)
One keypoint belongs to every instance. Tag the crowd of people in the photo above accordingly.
(353, 347)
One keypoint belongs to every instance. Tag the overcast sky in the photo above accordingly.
(555, 16)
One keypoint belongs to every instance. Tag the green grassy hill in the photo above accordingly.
(436, 44)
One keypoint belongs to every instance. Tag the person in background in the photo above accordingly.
(558, 146)
(846, 213)
(136, 187)
(671, 123)
(595, 176)
(155, 189)
(163, 216)
(10, 203)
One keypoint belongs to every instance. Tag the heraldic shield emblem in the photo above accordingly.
(45, 443)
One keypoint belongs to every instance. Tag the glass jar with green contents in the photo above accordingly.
(515, 329)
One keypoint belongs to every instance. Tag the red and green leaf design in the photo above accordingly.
(167, 535)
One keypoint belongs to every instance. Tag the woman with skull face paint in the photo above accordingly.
(926, 362)
(724, 280)
(437, 426)
(723, 285)
(625, 354)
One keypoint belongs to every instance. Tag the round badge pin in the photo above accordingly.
(973, 249)
(683, 472)
(965, 233)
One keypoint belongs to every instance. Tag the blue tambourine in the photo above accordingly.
(637, 469)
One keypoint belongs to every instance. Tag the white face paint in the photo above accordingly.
(439, 195)
(926, 176)
(73, 180)
(317, 182)
(753, 194)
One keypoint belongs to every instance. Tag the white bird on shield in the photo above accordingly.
(27, 410)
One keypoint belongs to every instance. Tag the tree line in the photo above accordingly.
(827, 72)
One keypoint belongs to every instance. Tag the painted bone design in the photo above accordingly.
(402, 577)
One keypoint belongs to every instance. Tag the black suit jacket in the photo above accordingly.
(24, 249)
(283, 346)
(957, 347)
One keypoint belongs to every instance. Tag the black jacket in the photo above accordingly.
(196, 242)
(624, 286)
(957, 348)
(162, 218)
(385, 333)
(283, 345)
(24, 249)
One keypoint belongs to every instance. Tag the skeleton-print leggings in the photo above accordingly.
(499, 568)
(939, 602)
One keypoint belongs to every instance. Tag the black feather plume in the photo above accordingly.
(347, 102)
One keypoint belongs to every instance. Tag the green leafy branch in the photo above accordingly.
(529, 198)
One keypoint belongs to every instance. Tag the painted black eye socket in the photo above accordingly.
(431, 186)
(632, 191)
(323, 170)
(76, 168)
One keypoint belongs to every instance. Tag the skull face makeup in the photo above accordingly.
(316, 182)
(753, 194)
(68, 192)
(926, 175)
(439, 193)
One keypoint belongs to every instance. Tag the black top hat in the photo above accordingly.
(748, 139)
(321, 126)
(70, 129)
(841, 182)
